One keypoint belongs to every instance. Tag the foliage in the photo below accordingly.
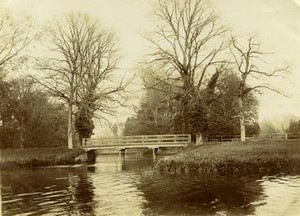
(294, 127)
(216, 114)
(84, 124)
(154, 115)
(224, 109)
(253, 129)
(29, 119)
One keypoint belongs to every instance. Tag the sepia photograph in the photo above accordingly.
(150, 107)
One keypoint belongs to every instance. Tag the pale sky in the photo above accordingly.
(275, 22)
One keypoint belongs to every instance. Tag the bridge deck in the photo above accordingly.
(151, 141)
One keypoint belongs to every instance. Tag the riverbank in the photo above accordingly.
(259, 156)
(33, 157)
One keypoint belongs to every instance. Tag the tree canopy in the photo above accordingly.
(29, 118)
(217, 115)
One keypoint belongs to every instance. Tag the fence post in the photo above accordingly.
(154, 150)
(122, 155)
(199, 140)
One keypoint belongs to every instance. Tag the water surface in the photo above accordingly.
(105, 189)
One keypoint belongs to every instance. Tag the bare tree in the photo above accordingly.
(187, 43)
(14, 37)
(83, 61)
(250, 64)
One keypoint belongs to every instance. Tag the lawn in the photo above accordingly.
(32, 157)
(258, 156)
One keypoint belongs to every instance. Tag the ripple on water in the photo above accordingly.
(106, 190)
(283, 193)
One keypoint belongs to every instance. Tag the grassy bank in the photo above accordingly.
(219, 158)
(34, 157)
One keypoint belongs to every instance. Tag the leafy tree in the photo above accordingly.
(217, 115)
(294, 127)
(157, 109)
(29, 119)
(6, 112)
(5, 97)
(146, 122)
(253, 129)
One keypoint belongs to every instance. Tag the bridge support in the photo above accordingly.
(122, 158)
(91, 157)
(154, 150)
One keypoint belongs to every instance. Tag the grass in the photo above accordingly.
(33, 157)
(259, 156)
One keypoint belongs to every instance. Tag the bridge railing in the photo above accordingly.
(149, 139)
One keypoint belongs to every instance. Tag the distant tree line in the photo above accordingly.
(159, 112)
(28, 117)
(294, 129)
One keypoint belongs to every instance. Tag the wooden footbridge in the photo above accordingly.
(126, 142)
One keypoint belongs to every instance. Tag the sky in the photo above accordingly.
(276, 23)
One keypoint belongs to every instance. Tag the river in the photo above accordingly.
(107, 188)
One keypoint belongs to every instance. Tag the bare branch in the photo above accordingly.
(247, 64)
(188, 39)
(14, 38)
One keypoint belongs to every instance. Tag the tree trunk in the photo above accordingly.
(242, 120)
(21, 136)
(70, 127)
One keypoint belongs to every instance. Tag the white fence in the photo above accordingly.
(143, 140)
(273, 136)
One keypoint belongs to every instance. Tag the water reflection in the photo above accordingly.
(118, 194)
(194, 195)
(282, 196)
(105, 188)
(84, 195)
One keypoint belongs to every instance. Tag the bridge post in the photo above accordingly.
(122, 158)
(154, 150)
(91, 157)
(122, 155)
